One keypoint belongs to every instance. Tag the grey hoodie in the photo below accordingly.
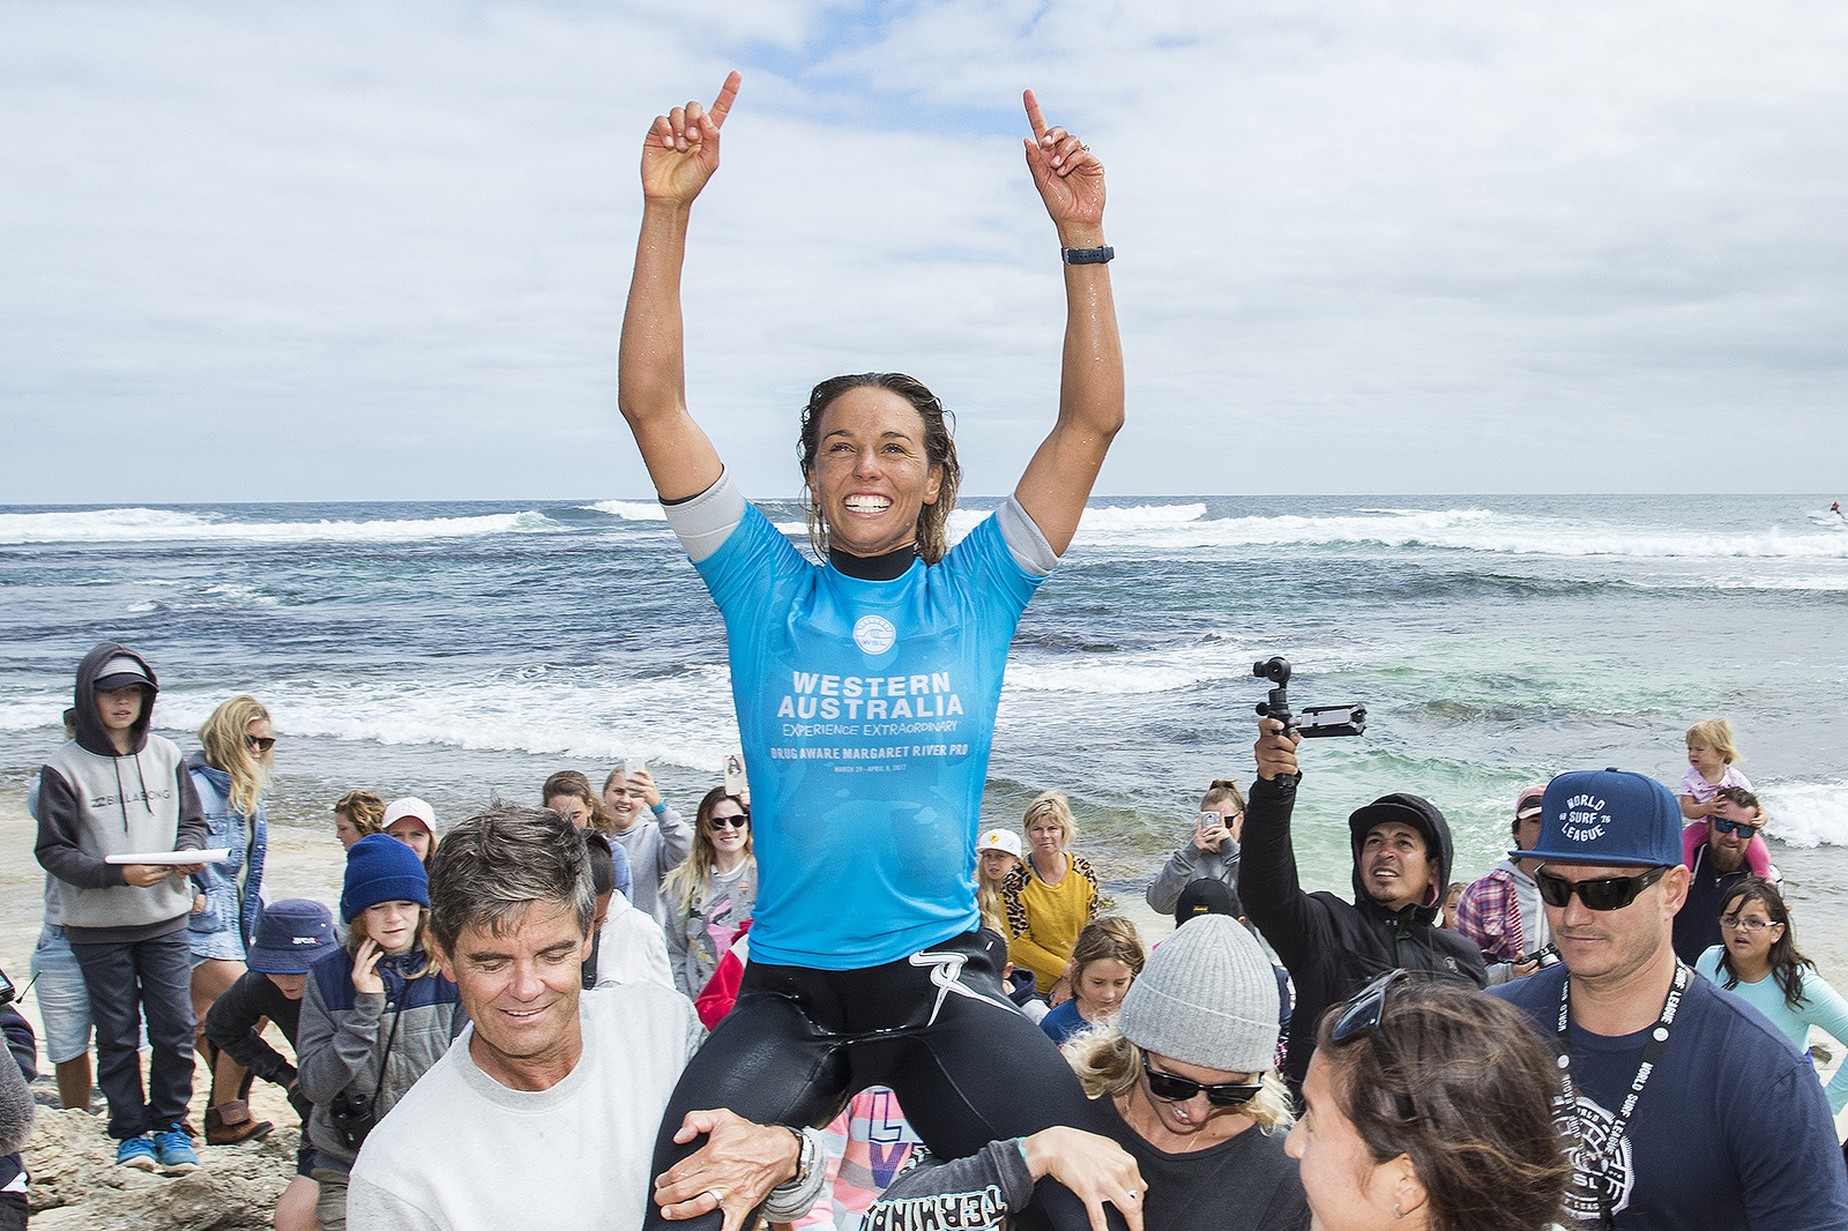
(94, 803)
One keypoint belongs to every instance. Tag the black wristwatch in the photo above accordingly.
(1087, 256)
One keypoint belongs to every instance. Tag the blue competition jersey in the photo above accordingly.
(866, 709)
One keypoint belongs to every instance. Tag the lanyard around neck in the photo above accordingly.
(1652, 1054)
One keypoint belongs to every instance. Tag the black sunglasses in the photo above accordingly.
(1173, 1088)
(260, 743)
(1605, 893)
(729, 822)
(1744, 829)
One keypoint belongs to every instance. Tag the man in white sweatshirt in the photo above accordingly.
(546, 1107)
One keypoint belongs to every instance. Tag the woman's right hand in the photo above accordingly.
(1095, 1168)
(682, 148)
(366, 977)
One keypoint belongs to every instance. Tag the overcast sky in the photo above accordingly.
(267, 251)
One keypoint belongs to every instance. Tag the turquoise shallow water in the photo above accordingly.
(454, 649)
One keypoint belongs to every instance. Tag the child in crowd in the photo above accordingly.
(292, 936)
(413, 822)
(997, 852)
(376, 1013)
(117, 789)
(356, 814)
(57, 982)
(1452, 896)
(1711, 769)
(1105, 961)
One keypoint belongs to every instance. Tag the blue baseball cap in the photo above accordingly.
(1609, 817)
(291, 936)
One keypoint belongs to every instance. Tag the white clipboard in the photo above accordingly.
(217, 854)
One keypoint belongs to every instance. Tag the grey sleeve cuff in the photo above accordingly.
(1024, 541)
(790, 1201)
(704, 522)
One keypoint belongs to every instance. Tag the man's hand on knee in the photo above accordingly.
(733, 1172)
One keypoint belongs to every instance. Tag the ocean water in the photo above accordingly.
(456, 649)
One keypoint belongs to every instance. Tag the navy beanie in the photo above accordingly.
(382, 869)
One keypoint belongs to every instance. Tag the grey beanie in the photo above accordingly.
(1208, 996)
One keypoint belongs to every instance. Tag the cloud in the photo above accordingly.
(363, 251)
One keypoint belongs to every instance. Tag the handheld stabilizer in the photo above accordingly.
(1316, 720)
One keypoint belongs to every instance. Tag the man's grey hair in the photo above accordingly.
(493, 866)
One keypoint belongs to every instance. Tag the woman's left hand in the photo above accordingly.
(1070, 180)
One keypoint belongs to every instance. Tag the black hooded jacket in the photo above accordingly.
(1332, 948)
(94, 803)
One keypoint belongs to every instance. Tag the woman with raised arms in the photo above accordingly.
(866, 689)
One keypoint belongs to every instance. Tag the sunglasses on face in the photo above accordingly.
(1744, 829)
(1173, 1088)
(1605, 893)
(729, 822)
(259, 744)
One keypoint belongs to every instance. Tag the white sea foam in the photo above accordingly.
(683, 719)
(1808, 814)
(140, 525)
(1477, 530)
(629, 510)
(1101, 519)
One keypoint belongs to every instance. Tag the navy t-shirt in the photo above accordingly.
(1732, 1129)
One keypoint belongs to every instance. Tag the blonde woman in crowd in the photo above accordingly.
(1050, 896)
(230, 772)
(712, 893)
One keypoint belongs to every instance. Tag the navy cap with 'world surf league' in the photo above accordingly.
(1607, 817)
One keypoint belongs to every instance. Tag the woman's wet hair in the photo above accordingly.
(1787, 962)
(939, 451)
(1460, 1084)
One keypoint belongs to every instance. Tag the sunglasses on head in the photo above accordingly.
(259, 743)
(729, 822)
(1173, 1088)
(1744, 829)
(1605, 893)
(1365, 1011)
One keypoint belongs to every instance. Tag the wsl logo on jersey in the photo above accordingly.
(874, 634)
